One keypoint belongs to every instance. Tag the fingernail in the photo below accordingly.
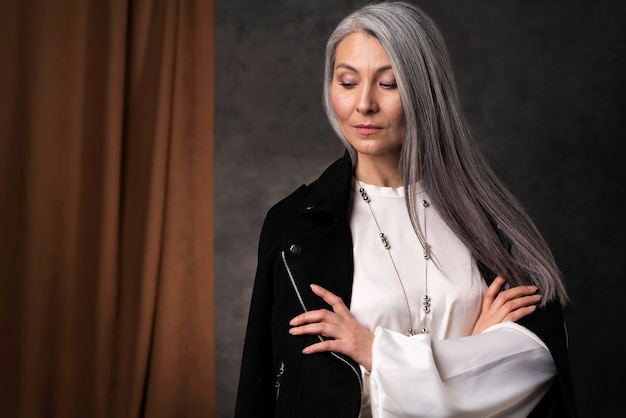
(314, 286)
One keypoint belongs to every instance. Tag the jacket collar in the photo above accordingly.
(330, 193)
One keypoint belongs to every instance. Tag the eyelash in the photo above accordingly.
(389, 86)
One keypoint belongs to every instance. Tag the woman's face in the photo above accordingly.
(365, 97)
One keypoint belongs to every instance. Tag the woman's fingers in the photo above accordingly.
(505, 305)
(346, 335)
(520, 313)
(339, 309)
(519, 302)
(494, 288)
(333, 300)
(316, 316)
(495, 298)
(321, 322)
(323, 346)
(491, 293)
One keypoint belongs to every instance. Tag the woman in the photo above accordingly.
(378, 286)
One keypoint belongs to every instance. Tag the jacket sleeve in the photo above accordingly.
(255, 394)
(548, 323)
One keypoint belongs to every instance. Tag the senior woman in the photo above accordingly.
(406, 281)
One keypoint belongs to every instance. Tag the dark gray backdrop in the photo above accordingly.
(543, 85)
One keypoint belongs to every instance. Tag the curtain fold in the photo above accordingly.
(106, 208)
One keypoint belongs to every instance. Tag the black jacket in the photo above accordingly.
(306, 239)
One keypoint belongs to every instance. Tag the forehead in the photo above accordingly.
(361, 49)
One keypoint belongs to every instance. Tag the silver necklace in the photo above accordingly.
(426, 301)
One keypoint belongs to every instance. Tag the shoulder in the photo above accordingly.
(326, 196)
(331, 183)
(289, 203)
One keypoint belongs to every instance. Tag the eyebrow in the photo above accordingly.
(351, 68)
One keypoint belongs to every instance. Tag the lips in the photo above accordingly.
(367, 129)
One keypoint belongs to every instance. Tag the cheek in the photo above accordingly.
(395, 113)
(340, 104)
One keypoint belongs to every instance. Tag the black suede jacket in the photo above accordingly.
(306, 239)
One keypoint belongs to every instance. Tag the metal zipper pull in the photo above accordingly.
(279, 376)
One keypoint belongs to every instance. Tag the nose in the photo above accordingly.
(367, 101)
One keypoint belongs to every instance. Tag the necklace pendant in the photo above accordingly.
(426, 251)
(426, 303)
(364, 195)
(384, 240)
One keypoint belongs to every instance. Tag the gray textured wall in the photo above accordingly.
(543, 85)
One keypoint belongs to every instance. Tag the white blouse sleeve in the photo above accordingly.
(502, 372)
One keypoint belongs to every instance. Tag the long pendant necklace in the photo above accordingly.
(426, 301)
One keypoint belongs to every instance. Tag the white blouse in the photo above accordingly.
(502, 372)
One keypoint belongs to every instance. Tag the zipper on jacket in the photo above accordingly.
(279, 376)
(304, 308)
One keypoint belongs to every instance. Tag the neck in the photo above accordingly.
(384, 172)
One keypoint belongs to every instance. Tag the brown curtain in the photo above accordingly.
(106, 208)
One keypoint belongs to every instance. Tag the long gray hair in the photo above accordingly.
(438, 149)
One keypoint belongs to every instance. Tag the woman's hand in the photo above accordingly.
(509, 305)
(348, 336)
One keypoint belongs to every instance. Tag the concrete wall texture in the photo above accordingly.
(543, 86)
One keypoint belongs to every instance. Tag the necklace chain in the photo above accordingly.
(426, 300)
